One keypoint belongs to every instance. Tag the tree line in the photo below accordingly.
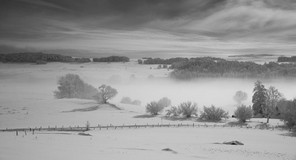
(287, 59)
(112, 59)
(162, 61)
(39, 58)
(43, 58)
(217, 67)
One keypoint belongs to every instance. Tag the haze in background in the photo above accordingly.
(137, 28)
(29, 85)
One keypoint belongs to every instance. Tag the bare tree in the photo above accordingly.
(105, 93)
(272, 99)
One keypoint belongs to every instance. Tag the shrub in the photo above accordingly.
(164, 102)
(187, 109)
(136, 102)
(213, 114)
(287, 110)
(243, 113)
(71, 86)
(126, 100)
(154, 108)
(173, 112)
(240, 96)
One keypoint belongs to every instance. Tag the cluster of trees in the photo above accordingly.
(270, 103)
(217, 67)
(112, 59)
(39, 58)
(42, 58)
(287, 59)
(265, 101)
(186, 110)
(162, 61)
(72, 86)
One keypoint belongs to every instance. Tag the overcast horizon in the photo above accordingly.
(157, 28)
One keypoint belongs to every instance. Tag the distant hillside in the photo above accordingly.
(162, 61)
(112, 59)
(252, 55)
(287, 59)
(216, 67)
(38, 57)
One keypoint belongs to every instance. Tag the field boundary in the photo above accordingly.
(114, 127)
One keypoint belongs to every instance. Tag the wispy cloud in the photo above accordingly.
(169, 27)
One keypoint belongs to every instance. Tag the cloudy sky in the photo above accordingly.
(150, 27)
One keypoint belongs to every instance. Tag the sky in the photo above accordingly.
(154, 28)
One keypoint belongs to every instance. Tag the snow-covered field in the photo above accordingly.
(148, 143)
(26, 100)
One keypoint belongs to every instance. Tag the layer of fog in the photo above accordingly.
(204, 92)
(24, 82)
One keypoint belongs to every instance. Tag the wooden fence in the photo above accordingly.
(114, 127)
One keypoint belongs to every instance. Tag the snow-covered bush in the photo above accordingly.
(154, 108)
(187, 109)
(213, 114)
(164, 102)
(243, 113)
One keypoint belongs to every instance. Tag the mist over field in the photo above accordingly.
(146, 83)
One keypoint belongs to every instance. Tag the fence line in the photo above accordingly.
(114, 127)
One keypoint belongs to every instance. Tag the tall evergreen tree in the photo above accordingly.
(259, 98)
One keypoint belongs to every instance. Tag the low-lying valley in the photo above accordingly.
(39, 121)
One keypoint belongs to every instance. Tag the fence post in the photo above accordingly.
(16, 133)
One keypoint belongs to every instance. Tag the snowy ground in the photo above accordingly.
(147, 143)
(26, 100)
